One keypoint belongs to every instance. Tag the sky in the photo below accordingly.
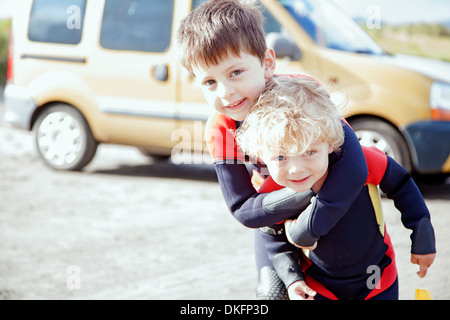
(400, 11)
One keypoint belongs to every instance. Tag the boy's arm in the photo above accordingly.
(255, 210)
(288, 269)
(399, 186)
(284, 256)
(286, 262)
(344, 181)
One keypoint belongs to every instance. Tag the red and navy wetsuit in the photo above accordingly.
(245, 203)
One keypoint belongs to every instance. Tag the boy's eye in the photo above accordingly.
(209, 83)
(309, 153)
(236, 72)
(280, 158)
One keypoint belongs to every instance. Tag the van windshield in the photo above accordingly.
(330, 27)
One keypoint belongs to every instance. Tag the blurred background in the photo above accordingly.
(6, 10)
(132, 227)
(415, 27)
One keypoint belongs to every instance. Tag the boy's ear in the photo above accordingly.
(269, 63)
(330, 148)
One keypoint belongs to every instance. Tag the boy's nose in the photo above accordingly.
(225, 91)
(295, 167)
(292, 169)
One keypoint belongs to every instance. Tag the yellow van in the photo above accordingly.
(88, 72)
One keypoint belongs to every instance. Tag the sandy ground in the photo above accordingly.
(128, 228)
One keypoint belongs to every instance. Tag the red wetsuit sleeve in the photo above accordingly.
(220, 136)
(376, 163)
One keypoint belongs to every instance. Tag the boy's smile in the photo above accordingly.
(233, 86)
(300, 172)
(299, 181)
(236, 105)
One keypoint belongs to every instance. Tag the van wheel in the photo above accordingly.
(373, 132)
(63, 138)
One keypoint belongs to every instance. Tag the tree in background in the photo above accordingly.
(5, 29)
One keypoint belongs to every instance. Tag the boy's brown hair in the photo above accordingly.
(220, 27)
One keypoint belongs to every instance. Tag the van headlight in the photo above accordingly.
(440, 101)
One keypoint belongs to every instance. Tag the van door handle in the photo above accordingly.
(161, 72)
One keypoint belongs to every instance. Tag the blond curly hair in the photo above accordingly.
(292, 115)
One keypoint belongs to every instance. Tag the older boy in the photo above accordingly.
(293, 129)
(223, 45)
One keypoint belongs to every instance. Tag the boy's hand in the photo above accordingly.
(424, 261)
(300, 291)
(286, 225)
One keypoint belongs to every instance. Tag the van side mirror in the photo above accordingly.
(283, 46)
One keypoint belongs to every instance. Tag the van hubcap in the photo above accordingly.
(371, 138)
(59, 138)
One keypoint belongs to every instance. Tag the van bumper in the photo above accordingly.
(430, 141)
(19, 106)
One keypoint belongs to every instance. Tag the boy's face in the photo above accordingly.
(233, 86)
(301, 172)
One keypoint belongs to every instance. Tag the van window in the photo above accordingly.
(328, 26)
(57, 21)
(270, 23)
(137, 25)
(196, 3)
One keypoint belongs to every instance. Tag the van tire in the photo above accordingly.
(384, 136)
(63, 138)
